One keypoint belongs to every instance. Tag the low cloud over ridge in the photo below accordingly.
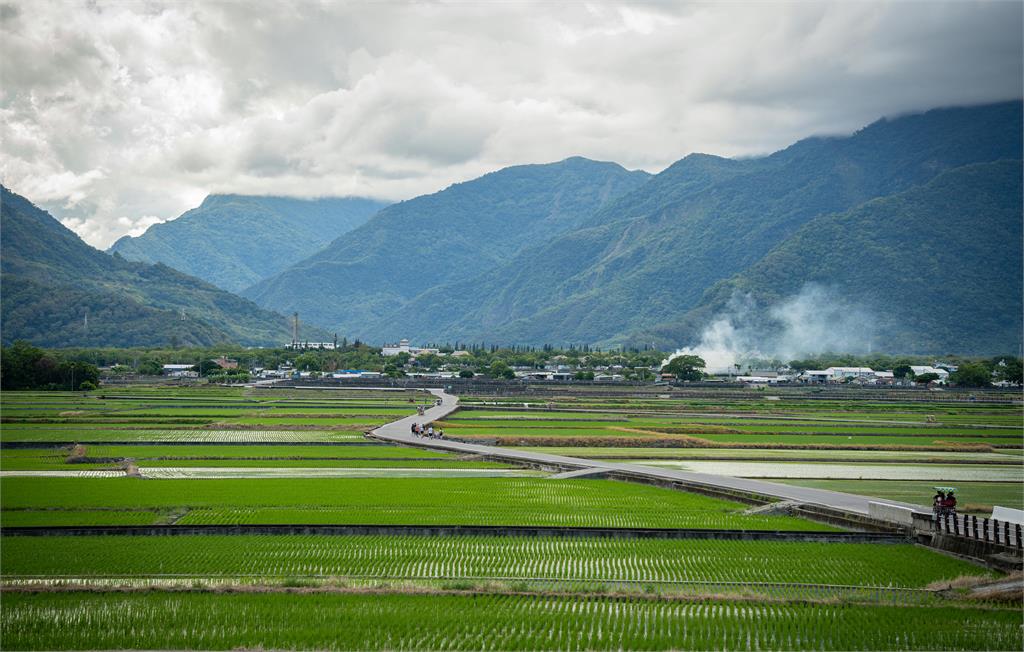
(116, 115)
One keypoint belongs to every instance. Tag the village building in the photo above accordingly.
(920, 370)
(180, 371)
(404, 347)
(317, 346)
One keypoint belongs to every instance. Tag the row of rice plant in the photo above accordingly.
(423, 557)
(165, 435)
(466, 501)
(59, 517)
(483, 622)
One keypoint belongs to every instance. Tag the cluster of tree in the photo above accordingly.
(23, 366)
(686, 367)
(977, 373)
(971, 372)
(499, 362)
(495, 362)
(983, 372)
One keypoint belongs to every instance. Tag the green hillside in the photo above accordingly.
(648, 257)
(938, 267)
(452, 235)
(51, 280)
(234, 241)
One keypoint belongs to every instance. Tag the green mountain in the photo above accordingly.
(648, 257)
(456, 234)
(234, 241)
(937, 268)
(59, 291)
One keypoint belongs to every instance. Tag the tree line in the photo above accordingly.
(23, 366)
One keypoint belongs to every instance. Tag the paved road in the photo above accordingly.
(399, 431)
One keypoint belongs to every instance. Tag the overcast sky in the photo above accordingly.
(116, 115)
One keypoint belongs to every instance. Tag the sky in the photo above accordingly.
(118, 115)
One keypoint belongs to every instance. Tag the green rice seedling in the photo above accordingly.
(481, 621)
(484, 558)
(411, 501)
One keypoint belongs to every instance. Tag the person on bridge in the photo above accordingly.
(413, 429)
(430, 432)
(937, 501)
(950, 503)
(440, 433)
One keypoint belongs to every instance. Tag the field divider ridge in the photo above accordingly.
(457, 530)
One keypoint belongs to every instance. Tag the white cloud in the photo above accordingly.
(112, 113)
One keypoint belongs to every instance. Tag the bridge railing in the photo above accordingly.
(982, 529)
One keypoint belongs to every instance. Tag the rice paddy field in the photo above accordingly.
(890, 444)
(246, 458)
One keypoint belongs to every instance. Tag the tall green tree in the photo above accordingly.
(971, 375)
(686, 367)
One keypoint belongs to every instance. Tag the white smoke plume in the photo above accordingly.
(816, 320)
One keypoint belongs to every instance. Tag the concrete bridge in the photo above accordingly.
(400, 432)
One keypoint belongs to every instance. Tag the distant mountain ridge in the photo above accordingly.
(234, 241)
(699, 222)
(58, 291)
(451, 235)
(938, 267)
(917, 220)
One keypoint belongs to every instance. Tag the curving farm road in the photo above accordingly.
(399, 431)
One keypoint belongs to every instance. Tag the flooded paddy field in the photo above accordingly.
(479, 558)
(849, 471)
(233, 456)
(391, 500)
(975, 497)
(448, 619)
(1003, 456)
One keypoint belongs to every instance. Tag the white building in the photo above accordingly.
(759, 380)
(180, 371)
(839, 373)
(403, 347)
(302, 346)
(835, 374)
(920, 370)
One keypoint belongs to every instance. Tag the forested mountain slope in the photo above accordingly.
(51, 280)
(936, 268)
(234, 241)
(452, 235)
(700, 221)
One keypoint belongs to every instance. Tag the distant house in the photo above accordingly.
(816, 376)
(305, 346)
(226, 363)
(180, 371)
(403, 347)
(885, 378)
(841, 373)
(759, 380)
(920, 370)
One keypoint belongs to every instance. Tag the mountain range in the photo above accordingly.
(645, 265)
(58, 291)
(912, 223)
(234, 241)
(454, 235)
